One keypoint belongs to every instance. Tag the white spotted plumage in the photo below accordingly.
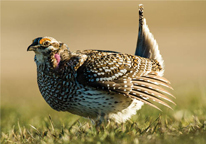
(97, 83)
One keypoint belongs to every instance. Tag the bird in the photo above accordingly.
(102, 85)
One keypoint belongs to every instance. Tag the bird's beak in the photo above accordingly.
(31, 48)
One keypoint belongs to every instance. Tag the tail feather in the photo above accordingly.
(152, 93)
(150, 90)
(147, 96)
(144, 101)
(152, 87)
(146, 44)
(152, 81)
(157, 78)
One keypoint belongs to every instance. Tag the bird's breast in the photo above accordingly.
(57, 88)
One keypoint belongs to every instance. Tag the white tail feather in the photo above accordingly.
(146, 45)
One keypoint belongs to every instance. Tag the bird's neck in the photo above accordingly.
(51, 62)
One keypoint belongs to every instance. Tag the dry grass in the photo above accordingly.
(28, 119)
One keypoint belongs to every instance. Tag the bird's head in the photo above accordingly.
(44, 45)
(48, 47)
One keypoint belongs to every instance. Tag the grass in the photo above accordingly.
(28, 119)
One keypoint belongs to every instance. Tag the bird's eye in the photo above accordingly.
(46, 43)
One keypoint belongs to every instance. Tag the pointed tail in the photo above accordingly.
(146, 44)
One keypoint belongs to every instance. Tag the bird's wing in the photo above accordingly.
(125, 74)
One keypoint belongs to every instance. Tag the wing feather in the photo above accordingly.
(124, 74)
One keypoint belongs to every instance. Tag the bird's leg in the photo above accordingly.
(108, 123)
(102, 122)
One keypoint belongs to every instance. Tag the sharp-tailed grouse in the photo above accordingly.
(97, 83)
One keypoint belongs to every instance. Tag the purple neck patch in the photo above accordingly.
(58, 58)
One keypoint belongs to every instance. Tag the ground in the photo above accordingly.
(33, 121)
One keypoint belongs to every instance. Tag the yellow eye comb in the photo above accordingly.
(43, 40)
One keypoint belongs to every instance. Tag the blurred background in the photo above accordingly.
(178, 27)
